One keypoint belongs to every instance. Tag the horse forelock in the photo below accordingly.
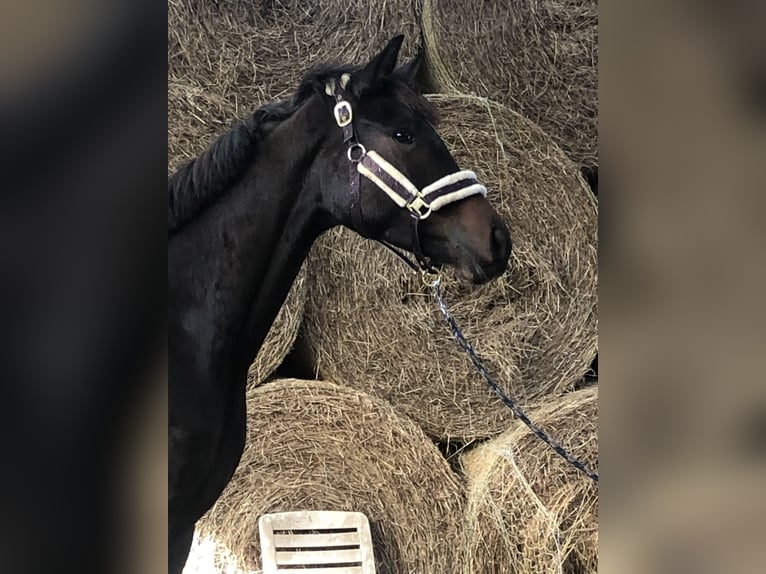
(391, 87)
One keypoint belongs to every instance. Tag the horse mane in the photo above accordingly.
(201, 180)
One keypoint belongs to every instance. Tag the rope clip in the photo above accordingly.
(431, 277)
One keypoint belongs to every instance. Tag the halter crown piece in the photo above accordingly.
(419, 202)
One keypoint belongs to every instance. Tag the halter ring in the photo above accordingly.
(431, 277)
(356, 147)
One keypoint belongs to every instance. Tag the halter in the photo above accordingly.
(396, 185)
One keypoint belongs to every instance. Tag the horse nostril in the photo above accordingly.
(500, 242)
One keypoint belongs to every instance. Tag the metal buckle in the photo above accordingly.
(350, 152)
(431, 277)
(419, 207)
(343, 113)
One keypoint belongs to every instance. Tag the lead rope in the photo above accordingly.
(510, 403)
(356, 153)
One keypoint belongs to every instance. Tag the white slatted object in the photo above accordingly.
(316, 542)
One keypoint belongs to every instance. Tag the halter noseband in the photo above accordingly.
(396, 185)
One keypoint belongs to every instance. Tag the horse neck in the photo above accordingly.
(250, 245)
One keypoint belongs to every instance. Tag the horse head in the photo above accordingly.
(390, 177)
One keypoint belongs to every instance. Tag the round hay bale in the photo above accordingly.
(539, 57)
(281, 337)
(195, 118)
(369, 320)
(250, 52)
(528, 509)
(314, 445)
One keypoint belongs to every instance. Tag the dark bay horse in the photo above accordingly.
(355, 146)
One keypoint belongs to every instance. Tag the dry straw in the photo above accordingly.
(539, 57)
(227, 58)
(530, 511)
(369, 321)
(314, 445)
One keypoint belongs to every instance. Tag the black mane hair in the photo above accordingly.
(201, 180)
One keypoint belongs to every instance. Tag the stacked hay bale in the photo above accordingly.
(313, 445)
(536, 326)
(529, 511)
(539, 57)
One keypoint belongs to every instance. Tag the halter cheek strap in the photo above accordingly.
(397, 186)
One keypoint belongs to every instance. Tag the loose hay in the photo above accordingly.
(315, 445)
(529, 511)
(246, 53)
(369, 321)
(195, 118)
(539, 57)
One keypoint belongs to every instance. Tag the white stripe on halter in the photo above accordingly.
(397, 175)
(419, 202)
(456, 195)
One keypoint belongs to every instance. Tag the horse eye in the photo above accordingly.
(403, 137)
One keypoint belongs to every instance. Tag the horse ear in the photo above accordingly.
(408, 73)
(380, 66)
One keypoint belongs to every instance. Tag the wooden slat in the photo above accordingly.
(295, 527)
(314, 520)
(315, 540)
(345, 570)
(318, 557)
